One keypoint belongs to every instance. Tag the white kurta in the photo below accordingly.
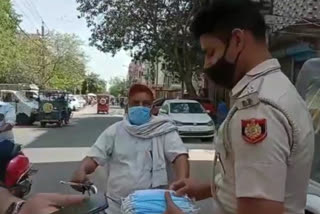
(129, 160)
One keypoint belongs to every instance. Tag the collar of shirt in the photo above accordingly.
(261, 69)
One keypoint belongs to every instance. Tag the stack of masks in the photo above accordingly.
(154, 202)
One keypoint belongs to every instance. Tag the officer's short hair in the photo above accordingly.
(223, 16)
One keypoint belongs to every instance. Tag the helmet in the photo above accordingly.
(17, 169)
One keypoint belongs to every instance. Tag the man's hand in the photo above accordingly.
(81, 177)
(192, 188)
(49, 203)
(171, 207)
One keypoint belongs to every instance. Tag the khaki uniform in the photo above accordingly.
(264, 149)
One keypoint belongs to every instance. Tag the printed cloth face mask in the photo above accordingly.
(154, 202)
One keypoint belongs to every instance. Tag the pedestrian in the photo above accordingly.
(308, 85)
(7, 121)
(137, 151)
(264, 148)
(222, 112)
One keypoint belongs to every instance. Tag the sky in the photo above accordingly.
(62, 16)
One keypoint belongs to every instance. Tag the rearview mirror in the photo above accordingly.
(208, 111)
(163, 111)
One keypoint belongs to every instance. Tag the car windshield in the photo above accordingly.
(186, 108)
(21, 97)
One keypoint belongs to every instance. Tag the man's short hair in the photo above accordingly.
(223, 16)
(138, 88)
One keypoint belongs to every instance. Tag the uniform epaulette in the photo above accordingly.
(250, 96)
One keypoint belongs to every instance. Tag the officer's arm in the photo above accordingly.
(261, 143)
(261, 206)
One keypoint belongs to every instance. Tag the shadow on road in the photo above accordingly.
(81, 132)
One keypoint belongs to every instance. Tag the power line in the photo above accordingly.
(25, 33)
(34, 7)
(32, 10)
(29, 37)
(25, 15)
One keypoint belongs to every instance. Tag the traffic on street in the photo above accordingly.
(56, 152)
(160, 107)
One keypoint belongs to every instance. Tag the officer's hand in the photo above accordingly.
(171, 207)
(49, 203)
(81, 177)
(191, 188)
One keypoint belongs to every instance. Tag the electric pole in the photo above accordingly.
(43, 53)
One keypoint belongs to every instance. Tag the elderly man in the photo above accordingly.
(137, 151)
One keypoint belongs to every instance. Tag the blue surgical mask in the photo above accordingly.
(154, 202)
(139, 115)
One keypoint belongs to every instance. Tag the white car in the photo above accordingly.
(74, 103)
(81, 100)
(190, 117)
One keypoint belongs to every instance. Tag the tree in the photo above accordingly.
(119, 87)
(8, 29)
(56, 61)
(67, 66)
(93, 84)
(153, 30)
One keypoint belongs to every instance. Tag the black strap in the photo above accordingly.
(15, 150)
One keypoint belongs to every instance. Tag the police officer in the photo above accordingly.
(7, 121)
(264, 149)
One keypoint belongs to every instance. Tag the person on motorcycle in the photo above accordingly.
(264, 148)
(15, 184)
(7, 121)
(15, 169)
(137, 151)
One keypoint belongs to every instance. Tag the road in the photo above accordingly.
(56, 152)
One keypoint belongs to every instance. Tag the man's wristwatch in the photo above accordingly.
(15, 207)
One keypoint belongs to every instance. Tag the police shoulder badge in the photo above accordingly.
(254, 130)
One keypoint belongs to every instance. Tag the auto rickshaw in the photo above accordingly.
(54, 108)
(103, 103)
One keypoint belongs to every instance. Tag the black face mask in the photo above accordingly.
(222, 73)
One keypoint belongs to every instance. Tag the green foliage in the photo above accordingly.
(152, 30)
(8, 44)
(93, 84)
(119, 87)
(53, 61)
